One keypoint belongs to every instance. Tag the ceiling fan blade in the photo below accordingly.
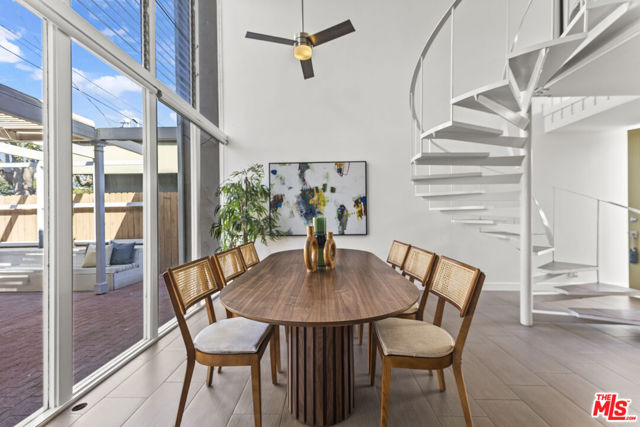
(331, 33)
(268, 38)
(307, 69)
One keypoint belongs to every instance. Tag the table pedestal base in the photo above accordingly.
(320, 370)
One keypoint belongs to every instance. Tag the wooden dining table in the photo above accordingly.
(320, 309)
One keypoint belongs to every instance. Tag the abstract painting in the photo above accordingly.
(335, 190)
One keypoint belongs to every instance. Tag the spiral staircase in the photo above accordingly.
(475, 165)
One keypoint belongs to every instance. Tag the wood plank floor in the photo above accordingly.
(516, 376)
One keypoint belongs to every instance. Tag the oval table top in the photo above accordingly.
(278, 290)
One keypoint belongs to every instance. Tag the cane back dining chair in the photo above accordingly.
(397, 254)
(417, 268)
(414, 344)
(231, 265)
(249, 254)
(228, 342)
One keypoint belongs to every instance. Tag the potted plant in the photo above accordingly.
(243, 214)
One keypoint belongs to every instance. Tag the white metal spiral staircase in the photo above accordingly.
(476, 166)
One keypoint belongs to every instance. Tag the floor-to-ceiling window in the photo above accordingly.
(21, 214)
(125, 169)
(108, 208)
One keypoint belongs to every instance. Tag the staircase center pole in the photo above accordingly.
(526, 270)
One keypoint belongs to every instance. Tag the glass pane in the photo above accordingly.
(107, 277)
(173, 137)
(117, 19)
(173, 45)
(21, 213)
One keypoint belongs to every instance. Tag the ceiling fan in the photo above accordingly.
(303, 43)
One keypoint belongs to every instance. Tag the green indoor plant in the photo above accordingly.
(243, 213)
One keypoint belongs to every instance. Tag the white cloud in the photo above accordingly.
(115, 85)
(173, 116)
(9, 50)
(35, 73)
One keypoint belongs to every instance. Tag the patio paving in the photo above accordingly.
(104, 326)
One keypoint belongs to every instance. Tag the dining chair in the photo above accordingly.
(417, 268)
(397, 254)
(414, 344)
(228, 342)
(396, 257)
(230, 265)
(249, 254)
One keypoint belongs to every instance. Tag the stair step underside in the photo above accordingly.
(454, 130)
(558, 267)
(466, 159)
(467, 178)
(459, 209)
(473, 221)
(493, 196)
(502, 92)
(522, 62)
(588, 50)
(498, 219)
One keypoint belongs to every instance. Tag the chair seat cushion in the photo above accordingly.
(231, 336)
(414, 338)
(411, 310)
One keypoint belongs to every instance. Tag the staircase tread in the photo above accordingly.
(499, 91)
(447, 175)
(560, 267)
(466, 158)
(450, 193)
(459, 208)
(588, 289)
(453, 127)
(547, 44)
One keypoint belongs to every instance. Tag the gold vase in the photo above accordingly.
(330, 252)
(311, 251)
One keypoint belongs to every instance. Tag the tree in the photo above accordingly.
(243, 216)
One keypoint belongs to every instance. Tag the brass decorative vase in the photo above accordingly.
(311, 251)
(330, 251)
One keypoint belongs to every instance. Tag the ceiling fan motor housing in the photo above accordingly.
(302, 46)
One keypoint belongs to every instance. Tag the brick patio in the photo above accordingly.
(104, 326)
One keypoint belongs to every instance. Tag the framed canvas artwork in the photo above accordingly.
(335, 190)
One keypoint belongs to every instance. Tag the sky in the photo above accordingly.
(100, 93)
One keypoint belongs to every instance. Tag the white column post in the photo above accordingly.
(40, 195)
(150, 180)
(195, 151)
(58, 208)
(526, 250)
(101, 286)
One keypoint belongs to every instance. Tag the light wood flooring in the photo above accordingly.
(516, 376)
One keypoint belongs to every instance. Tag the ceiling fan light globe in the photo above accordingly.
(302, 52)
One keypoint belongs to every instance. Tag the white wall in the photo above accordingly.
(356, 108)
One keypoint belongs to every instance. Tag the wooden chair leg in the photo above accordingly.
(191, 362)
(386, 386)
(441, 379)
(210, 375)
(373, 355)
(255, 387)
(462, 391)
(430, 371)
(360, 332)
(273, 351)
(219, 369)
(276, 336)
(370, 345)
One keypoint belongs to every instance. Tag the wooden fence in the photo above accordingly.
(121, 222)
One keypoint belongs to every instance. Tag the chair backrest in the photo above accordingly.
(457, 283)
(190, 283)
(230, 264)
(418, 264)
(397, 254)
(249, 254)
